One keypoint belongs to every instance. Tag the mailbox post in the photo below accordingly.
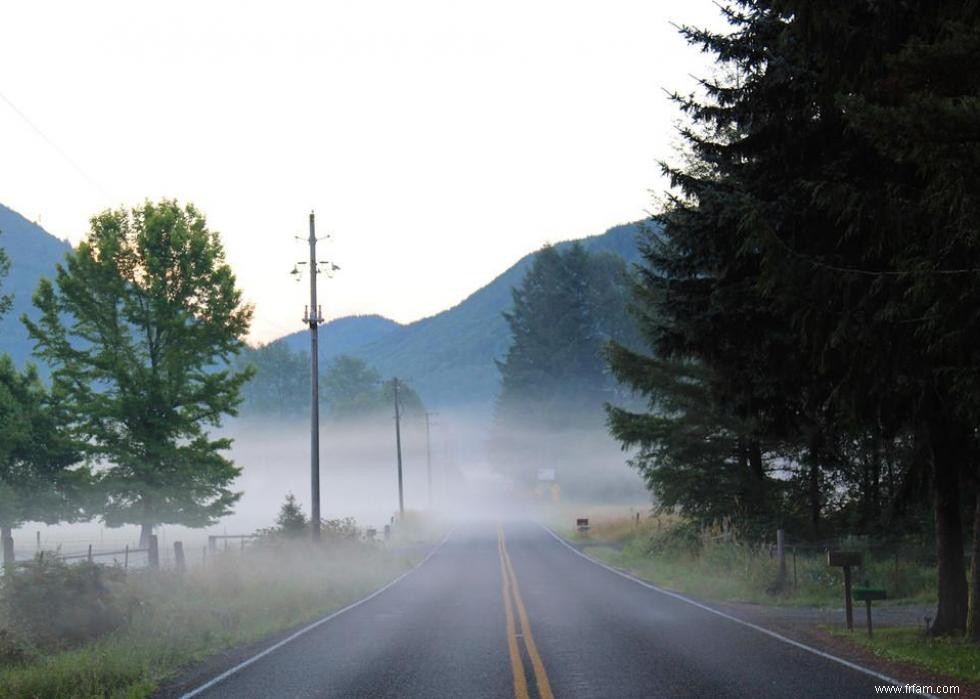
(846, 559)
(868, 594)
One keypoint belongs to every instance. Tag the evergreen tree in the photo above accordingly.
(138, 327)
(820, 251)
(564, 311)
(291, 520)
(554, 381)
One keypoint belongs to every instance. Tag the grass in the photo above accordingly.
(948, 657)
(179, 620)
(668, 553)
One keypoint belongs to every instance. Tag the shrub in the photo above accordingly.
(51, 604)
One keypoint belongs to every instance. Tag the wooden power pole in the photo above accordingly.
(398, 447)
(313, 317)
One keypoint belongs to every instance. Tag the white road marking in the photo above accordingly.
(761, 629)
(244, 664)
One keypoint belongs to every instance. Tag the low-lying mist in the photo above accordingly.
(476, 472)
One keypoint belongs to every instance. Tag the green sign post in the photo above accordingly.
(867, 595)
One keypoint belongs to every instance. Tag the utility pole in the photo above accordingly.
(398, 446)
(428, 455)
(313, 316)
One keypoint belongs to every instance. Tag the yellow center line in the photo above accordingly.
(540, 676)
(520, 681)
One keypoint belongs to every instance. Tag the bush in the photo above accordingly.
(53, 605)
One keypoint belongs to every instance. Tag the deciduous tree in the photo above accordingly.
(139, 327)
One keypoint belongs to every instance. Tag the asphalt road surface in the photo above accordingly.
(511, 611)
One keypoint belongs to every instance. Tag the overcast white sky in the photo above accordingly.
(438, 142)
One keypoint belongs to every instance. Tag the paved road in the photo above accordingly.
(509, 611)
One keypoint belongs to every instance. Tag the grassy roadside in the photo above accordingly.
(663, 553)
(947, 657)
(174, 621)
(668, 553)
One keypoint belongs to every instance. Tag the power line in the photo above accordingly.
(60, 151)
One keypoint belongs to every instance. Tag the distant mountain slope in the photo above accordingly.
(449, 357)
(344, 335)
(33, 254)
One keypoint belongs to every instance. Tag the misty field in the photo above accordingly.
(137, 629)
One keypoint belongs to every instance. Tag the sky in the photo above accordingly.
(437, 141)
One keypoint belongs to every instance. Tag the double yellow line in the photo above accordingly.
(512, 598)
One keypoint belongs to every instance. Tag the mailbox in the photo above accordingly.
(869, 594)
(840, 559)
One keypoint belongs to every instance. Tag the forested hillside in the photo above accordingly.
(33, 253)
(450, 357)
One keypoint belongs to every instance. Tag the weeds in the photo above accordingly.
(676, 555)
(171, 620)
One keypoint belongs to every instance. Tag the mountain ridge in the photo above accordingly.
(33, 253)
(448, 357)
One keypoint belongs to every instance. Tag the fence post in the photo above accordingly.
(38, 539)
(90, 553)
(781, 554)
(179, 556)
(154, 552)
(126, 558)
(796, 584)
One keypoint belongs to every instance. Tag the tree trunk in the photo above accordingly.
(7, 539)
(973, 613)
(813, 495)
(755, 463)
(146, 530)
(947, 444)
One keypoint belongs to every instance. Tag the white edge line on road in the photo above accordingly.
(761, 629)
(306, 629)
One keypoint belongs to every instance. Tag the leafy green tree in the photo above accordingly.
(139, 327)
(351, 388)
(40, 476)
(409, 402)
(281, 385)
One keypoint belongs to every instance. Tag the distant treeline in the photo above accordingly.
(349, 387)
